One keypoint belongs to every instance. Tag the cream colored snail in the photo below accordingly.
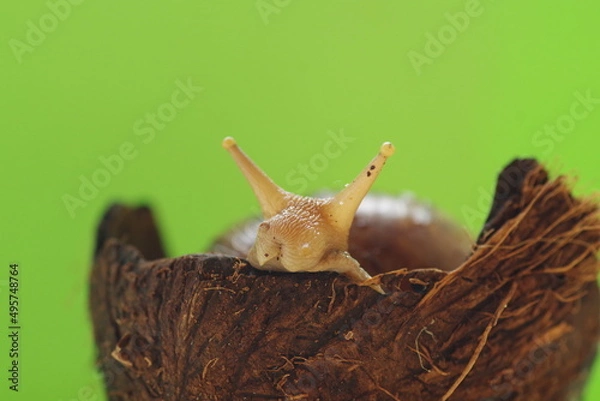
(304, 234)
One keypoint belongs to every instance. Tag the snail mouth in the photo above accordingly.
(261, 258)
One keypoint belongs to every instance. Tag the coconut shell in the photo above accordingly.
(517, 320)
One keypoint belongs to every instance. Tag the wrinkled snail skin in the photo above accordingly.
(303, 234)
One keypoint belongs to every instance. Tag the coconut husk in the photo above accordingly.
(517, 320)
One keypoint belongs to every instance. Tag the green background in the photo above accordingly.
(281, 80)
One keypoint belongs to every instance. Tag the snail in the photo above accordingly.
(311, 234)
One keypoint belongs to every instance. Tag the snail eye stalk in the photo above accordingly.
(307, 234)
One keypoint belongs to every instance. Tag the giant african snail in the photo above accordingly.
(301, 233)
(305, 234)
